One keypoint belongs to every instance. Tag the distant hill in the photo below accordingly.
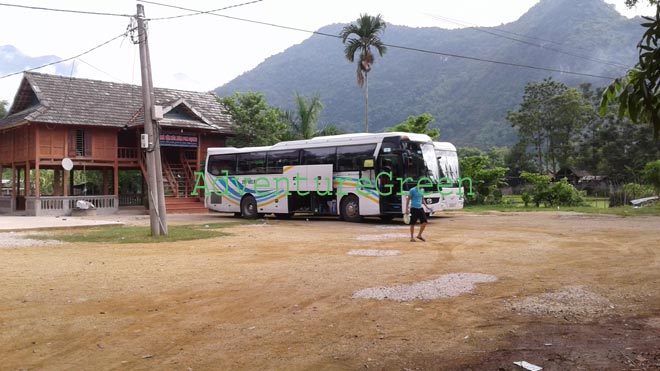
(469, 99)
(12, 60)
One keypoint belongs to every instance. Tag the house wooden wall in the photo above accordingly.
(17, 145)
(52, 143)
(209, 141)
(56, 143)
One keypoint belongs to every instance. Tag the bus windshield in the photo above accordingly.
(448, 163)
(422, 161)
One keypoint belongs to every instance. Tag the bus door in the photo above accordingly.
(311, 188)
(390, 169)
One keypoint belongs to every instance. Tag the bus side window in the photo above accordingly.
(319, 156)
(278, 160)
(252, 163)
(351, 158)
(218, 164)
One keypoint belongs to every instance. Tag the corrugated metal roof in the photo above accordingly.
(73, 101)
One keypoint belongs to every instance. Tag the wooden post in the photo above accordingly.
(27, 187)
(105, 182)
(116, 179)
(14, 187)
(37, 187)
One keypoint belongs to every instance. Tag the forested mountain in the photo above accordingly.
(469, 99)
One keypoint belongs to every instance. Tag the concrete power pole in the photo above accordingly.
(158, 217)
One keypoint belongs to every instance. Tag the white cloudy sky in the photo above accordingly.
(204, 51)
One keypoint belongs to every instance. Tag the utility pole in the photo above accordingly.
(157, 215)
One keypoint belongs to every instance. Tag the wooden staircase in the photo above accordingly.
(178, 183)
(175, 181)
(185, 205)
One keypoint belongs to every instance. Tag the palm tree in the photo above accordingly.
(366, 30)
(308, 112)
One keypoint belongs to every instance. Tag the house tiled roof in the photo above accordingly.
(71, 101)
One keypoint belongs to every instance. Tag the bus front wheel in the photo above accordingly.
(249, 208)
(350, 209)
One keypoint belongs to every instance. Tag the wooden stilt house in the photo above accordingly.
(96, 126)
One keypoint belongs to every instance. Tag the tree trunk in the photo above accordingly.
(366, 102)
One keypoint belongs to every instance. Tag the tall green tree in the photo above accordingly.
(533, 118)
(638, 93)
(305, 120)
(549, 120)
(613, 146)
(3, 108)
(255, 123)
(568, 113)
(417, 124)
(365, 34)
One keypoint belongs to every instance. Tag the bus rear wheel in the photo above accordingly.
(249, 208)
(350, 209)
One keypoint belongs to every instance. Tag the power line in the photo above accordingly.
(598, 60)
(241, 19)
(475, 26)
(67, 59)
(499, 62)
(205, 12)
(389, 45)
(65, 10)
(100, 70)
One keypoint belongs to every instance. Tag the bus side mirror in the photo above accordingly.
(368, 164)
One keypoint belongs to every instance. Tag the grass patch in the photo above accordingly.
(596, 209)
(133, 234)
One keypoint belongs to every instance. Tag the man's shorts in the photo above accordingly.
(417, 214)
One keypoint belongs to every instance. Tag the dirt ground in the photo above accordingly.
(277, 295)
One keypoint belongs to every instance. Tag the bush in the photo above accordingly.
(560, 193)
(526, 198)
(563, 193)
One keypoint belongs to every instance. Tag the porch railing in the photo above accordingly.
(131, 200)
(127, 153)
(64, 205)
(6, 205)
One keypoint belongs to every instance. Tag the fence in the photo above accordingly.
(59, 206)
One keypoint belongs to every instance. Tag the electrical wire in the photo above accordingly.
(242, 19)
(391, 45)
(204, 12)
(499, 62)
(103, 72)
(124, 34)
(66, 10)
(474, 25)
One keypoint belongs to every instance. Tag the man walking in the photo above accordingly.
(415, 204)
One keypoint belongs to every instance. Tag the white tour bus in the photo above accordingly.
(350, 175)
(449, 170)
